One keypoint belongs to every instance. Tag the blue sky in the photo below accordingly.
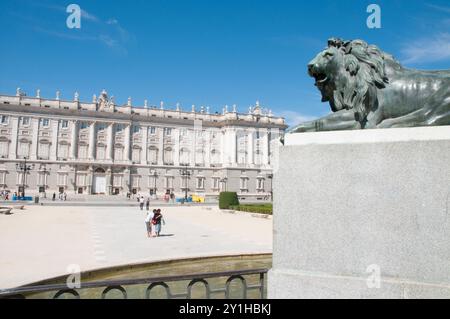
(204, 52)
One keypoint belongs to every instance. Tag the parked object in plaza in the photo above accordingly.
(367, 88)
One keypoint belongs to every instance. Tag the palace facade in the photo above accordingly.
(102, 148)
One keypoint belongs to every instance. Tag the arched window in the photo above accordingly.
(4, 147)
(118, 152)
(215, 157)
(24, 148)
(153, 155)
(44, 150)
(184, 156)
(168, 156)
(63, 150)
(101, 151)
(199, 157)
(136, 155)
(82, 150)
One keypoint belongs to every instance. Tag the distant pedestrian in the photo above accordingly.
(54, 197)
(172, 198)
(157, 220)
(148, 222)
(147, 204)
(141, 202)
(65, 196)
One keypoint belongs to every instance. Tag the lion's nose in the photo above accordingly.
(311, 68)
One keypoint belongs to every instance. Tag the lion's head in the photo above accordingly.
(348, 74)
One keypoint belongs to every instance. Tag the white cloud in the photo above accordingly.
(88, 16)
(424, 50)
(439, 8)
(294, 118)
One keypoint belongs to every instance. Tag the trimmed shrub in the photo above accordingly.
(227, 199)
(258, 209)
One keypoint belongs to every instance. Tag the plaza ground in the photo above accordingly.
(41, 242)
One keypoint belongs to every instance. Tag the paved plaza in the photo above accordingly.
(42, 241)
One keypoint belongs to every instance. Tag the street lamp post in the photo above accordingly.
(155, 175)
(185, 173)
(270, 176)
(44, 171)
(24, 168)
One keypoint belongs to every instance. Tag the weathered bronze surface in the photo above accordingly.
(368, 89)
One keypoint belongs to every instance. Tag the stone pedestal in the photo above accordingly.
(363, 214)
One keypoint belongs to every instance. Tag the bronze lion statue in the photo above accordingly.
(368, 89)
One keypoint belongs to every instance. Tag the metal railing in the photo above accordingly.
(56, 291)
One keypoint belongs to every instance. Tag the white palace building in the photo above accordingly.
(102, 148)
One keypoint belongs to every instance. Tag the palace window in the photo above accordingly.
(200, 183)
(63, 150)
(136, 155)
(184, 156)
(136, 128)
(25, 121)
(215, 185)
(136, 181)
(168, 182)
(118, 153)
(3, 178)
(4, 147)
(45, 122)
(82, 151)
(153, 155)
(260, 184)
(4, 119)
(101, 151)
(215, 157)
(81, 180)
(168, 156)
(184, 182)
(243, 184)
(84, 125)
(167, 131)
(152, 130)
(24, 149)
(117, 180)
(64, 124)
(199, 157)
(62, 179)
(242, 157)
(44, 150)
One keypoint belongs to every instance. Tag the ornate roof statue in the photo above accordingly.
(367, 88)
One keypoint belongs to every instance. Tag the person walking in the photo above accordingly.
(156, 223)
(141, 202)
(148, 222)
(54, 197)
(147, 204)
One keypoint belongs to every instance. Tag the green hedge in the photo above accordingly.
(259, 209)
(227, 199)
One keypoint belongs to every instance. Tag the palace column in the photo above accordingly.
(127, 142)
(232, 146)
(208, 139)
(109, 181)
(193, 147)
(54, 145)
(160, 146)
(14, 135)
(74, 141)
(144, 145)
(250, 148)
(176, 151)
(110, 143)
(34, 144)
(266, 148)
(90, 180)
(92, 139)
